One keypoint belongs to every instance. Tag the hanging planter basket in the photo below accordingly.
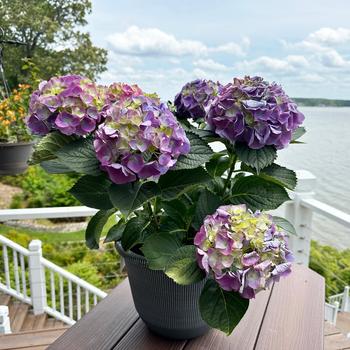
(14, 157)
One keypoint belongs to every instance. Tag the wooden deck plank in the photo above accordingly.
(140, 338)
(240, 338)
(330, 329)
(104, 325)
(30, 339)
(19, 317)
(294, 317)
(336, 342)
(28, 323)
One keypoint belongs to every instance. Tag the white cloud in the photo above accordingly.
(297, 61)
(209, 64)
(330, 36)
(331, 58)
(265, 63)
(154, 42)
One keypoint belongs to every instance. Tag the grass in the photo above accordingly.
(44, 236)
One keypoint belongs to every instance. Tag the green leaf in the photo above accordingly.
(280, 175)
(284, 224)
(199, 153)
(134, 232)
(174, 183)
(298, 133)
(55, 167)
(48, 146)
(207, 203)
(176, 216)
(80, 157)
(128, 197)
(256, 158)
(258, 193)
(158, 248)
(221, 309)
(95, 227)
(92, 191)
(115, 232)
(182, 266)
(218, 165)
(205, 135)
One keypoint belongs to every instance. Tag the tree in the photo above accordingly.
(53, 41)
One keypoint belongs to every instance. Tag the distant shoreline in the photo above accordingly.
(321, 102)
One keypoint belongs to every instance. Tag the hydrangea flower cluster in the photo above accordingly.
(71, 104)
(195, 97)
(139, 139)
(255, 112)
(121, 91)
(245, 251)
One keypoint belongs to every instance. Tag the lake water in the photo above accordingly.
(326, 153)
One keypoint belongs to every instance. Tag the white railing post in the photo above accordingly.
(37, 277)
(4, 320)
(301, 217)
(345, 300)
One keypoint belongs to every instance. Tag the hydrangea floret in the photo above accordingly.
(254, 112)
(71, 104)
(245, 251)
(139, 139)
(195, 97)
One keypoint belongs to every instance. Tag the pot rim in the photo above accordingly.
(129, 253)
(13, 144)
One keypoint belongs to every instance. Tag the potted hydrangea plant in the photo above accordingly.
(191, 222)
(15, 141)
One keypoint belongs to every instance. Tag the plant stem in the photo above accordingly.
(228, 179)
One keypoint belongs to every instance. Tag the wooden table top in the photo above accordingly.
(290, 316)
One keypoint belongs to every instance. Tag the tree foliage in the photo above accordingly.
(53, 41)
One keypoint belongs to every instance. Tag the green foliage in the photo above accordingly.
(54, 42)
(332, 264)
(41, 189)
(221, 309)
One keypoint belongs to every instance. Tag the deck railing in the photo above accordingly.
(25, 272)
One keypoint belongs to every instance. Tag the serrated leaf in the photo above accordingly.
(55, 167)
(207, 203)
(95, 227)
(48, 146)
(158, 248)
(115, 232)
(298, 133)
(134, 232)
(183, 268)
(221, 309)
(80, 157)
(92, 191)
(128, 197)
(284, 225)
(280, 175)
(218, 165)
(256, 158)
(258, 193)
(174, 183)
(199, 153)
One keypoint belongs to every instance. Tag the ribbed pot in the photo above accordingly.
(167, 308)
(14, 157)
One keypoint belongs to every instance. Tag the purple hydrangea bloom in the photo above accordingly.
(244, 251)
(140, 139)
(71, 104)
(195, 97)
(254, 112)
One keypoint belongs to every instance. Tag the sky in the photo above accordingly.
(304, 45)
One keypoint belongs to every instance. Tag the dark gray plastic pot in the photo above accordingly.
(167, 308)
(14, 157)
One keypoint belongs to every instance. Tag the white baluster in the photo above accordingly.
(87, 301)
(70, 299)
(15, 267)
(37, 277)
(23, 272)
(61, 296)
(95, 299)
(6, 266)
(345, 301)
(53, 291)
(78, 303)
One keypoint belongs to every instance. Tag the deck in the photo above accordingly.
(290, 316)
